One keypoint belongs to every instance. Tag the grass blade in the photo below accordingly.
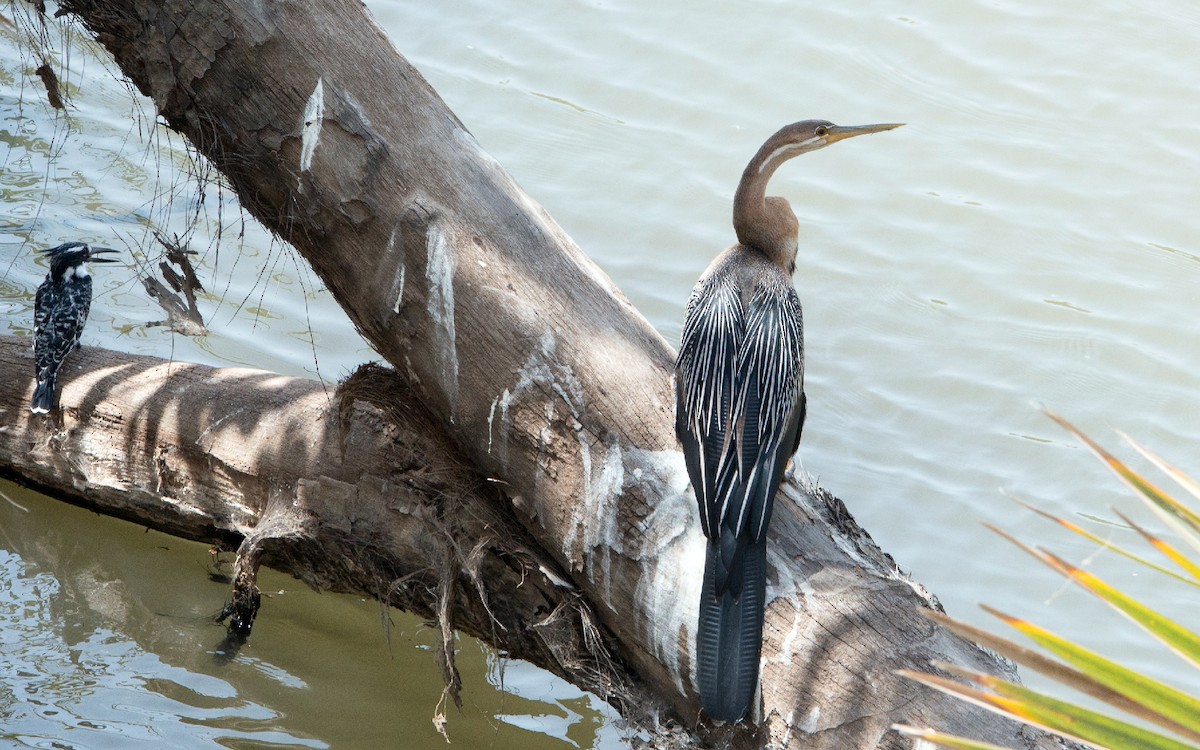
(1139, 695)
(945, 740)
(1176, 637)
(1101, 541)
(1188, 523)
(1049, 713)
(1107, 691)
(1182, 479)
(1179, 516)
(1166, 548)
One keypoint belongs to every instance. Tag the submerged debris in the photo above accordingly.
(182, 317)
(50, 81)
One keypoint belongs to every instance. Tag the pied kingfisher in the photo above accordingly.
(59, 312)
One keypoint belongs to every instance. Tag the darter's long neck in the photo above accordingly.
(766, 224)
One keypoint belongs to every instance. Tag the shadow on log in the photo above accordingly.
(348, 490)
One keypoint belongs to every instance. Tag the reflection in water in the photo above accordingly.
(91, 686)
(109, 628)
(547, 705)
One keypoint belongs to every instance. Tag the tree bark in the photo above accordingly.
(527, 357)
(349, 489)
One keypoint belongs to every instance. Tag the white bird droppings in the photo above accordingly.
(810, 724)
(398, 282)
(399, 290)
(492, 415)
(541, 373)
(310, 125)
(440, 271)
(671, 554)
(595, 519)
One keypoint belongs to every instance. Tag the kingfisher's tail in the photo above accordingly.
(729, 637)
(43, 396)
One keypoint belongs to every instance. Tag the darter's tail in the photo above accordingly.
(729, 637)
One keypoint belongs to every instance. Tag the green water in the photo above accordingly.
(109, 641)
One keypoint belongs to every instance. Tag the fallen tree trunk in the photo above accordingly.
(352, 489)
(531, 361)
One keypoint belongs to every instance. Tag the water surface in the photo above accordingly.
(1027, 238)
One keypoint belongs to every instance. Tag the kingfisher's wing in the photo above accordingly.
(60, 310)
(705, 388)
(41, 311)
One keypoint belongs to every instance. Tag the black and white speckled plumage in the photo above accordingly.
(740, 377)
(60, 310)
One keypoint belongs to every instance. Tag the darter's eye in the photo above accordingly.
(822, 131)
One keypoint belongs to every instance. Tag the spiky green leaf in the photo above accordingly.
(1107, 544)
(1144, 697)
(1058, 716)
(945, 740)
(1175, 636)
(1185, 520)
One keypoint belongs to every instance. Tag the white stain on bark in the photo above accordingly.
(670, 551)
(398, 282)
(439, 269)
(310, 126)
